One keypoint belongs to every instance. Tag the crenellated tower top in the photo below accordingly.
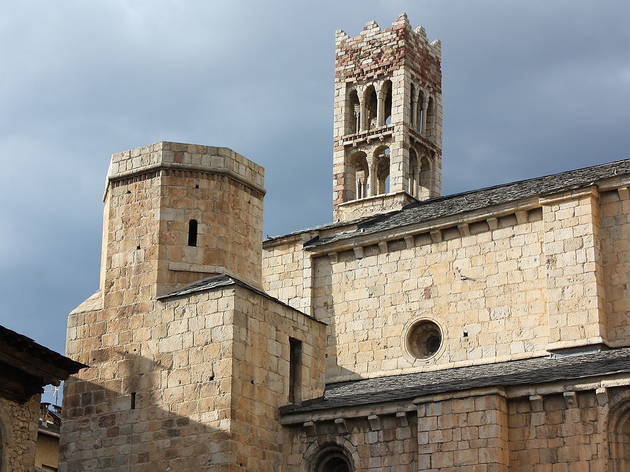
(388, 119)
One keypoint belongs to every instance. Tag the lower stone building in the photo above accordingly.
(477, 332)
(25, 368)
(545, 414)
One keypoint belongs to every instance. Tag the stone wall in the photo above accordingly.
(229, 216)
(193, 383)
(260, 383)
(512, 285)
(557, 427)
(284, 272)
(18, 434)
(615, 234)
(575, 282)
(466, 433)
(558, 432)
(158, 387)
(356, 209)
(486, 291)
(186, 156)
(385, 443)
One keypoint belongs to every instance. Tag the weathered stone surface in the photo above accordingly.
(18, 434)
(193, 349)
(387, 120)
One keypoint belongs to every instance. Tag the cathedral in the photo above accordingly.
(485, 331)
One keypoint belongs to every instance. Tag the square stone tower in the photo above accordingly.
(387, 120)
(189, 360)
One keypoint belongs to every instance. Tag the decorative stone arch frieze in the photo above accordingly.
(338, 447)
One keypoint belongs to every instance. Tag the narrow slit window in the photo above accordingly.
(192, 232)
(133, 400)
(295, 369)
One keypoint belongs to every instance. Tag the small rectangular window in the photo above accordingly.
(133, 400)
(295, 370)
(192, 232)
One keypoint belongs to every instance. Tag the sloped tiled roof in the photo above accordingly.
(23, 345)
(450, 205)
(520, 372)
(224, 280)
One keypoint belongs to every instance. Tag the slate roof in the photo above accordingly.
(44, 357)
(225, 280)
(449, 205)
(521, 372)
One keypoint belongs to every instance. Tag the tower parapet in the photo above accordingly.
(387, 119)
(187, 156)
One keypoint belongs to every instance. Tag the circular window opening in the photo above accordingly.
(424, 339)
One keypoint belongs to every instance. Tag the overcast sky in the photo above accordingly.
(530, 88)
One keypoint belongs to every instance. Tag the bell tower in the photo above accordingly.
(387, 120)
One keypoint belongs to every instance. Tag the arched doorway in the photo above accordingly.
(333, 459)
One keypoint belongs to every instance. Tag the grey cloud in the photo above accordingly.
(530, 88)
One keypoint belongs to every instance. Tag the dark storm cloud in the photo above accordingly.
(530, 88)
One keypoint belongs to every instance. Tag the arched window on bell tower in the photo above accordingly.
(192, 232)
(420, 113)
(426, 178)
(353, 113)
(412, 107)
(382, 165)
(371, 108)
(387, 102)
(413, 173)
(359, 175)
(430, 126)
